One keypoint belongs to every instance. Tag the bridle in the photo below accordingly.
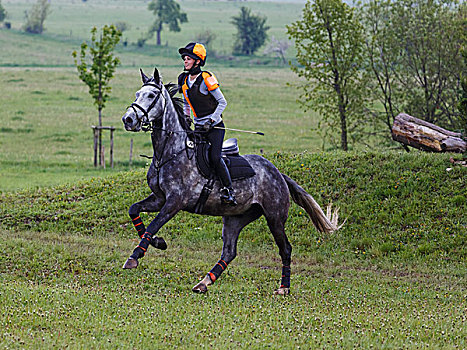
(151, 126)
(146, 124)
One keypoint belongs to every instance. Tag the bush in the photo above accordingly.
(122, 26)
(2, 13)
(36, 18)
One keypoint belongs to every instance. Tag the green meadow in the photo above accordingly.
(394, 277)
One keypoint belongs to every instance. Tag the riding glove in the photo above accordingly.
(208, 125)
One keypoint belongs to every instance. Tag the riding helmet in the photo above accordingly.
(196, 51)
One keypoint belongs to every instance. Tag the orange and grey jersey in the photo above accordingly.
(204, 97)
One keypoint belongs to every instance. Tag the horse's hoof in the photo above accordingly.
(131, 264)
(159, 243)
(200, 288)
(282, 291)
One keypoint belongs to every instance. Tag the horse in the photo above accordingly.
(176, 184)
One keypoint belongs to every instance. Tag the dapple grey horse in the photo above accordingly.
(176, 184)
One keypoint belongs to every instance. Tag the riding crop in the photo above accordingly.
(247, 131)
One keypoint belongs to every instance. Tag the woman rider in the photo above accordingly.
(204, 98)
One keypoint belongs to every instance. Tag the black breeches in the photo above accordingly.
(216, 138)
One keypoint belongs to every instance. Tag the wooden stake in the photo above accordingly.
(112, 148)
(131, 152)
(96, 136)
(102, 156)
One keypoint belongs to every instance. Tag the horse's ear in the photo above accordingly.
(157, 78)
(144, 76)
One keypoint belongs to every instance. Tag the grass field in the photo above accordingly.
(47, 114)
(69, 291)
(70, 23)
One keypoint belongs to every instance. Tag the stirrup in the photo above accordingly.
(228, 196)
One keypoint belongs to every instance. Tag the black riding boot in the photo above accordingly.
(227, 192)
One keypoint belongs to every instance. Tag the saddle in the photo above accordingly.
(238, 166)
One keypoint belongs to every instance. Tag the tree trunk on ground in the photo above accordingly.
(420, 134)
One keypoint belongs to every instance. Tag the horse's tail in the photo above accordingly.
(323, 222)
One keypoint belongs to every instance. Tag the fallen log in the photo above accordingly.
(422, 135)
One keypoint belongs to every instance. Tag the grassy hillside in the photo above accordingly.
(393, 277)
(398, 205)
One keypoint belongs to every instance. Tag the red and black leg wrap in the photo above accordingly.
(285, 281)
(143, 246)
(146, 240)
(217, 270)
(139, 226)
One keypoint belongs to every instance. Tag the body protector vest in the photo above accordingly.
(201, 105)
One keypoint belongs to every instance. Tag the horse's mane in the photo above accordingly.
(178, 103)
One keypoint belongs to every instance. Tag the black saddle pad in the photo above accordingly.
(239, 167)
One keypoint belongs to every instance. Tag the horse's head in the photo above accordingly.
(149, 104)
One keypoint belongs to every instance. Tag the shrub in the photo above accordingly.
(36, 18)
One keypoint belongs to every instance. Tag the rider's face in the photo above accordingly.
(188, 62)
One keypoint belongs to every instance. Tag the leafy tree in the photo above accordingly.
(413, 52)
(463, 98)
(431, 63)
(97, 74)
(251, 31)
(329, 43)
(3, 12)
(166, 12)
(36, 17)
(463, 92)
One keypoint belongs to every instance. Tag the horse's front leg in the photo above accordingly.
(167, 212)
(149, 205)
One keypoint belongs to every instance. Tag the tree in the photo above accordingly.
(251, 32)
(36, 17)
(3, 12)
(413, 54)
(463, 93)
(329, 43)
(463, 99)
(166, 12)
(429, 32)
(97, 74)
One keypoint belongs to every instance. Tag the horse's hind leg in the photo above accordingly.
(276, 225)
(230, 232)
